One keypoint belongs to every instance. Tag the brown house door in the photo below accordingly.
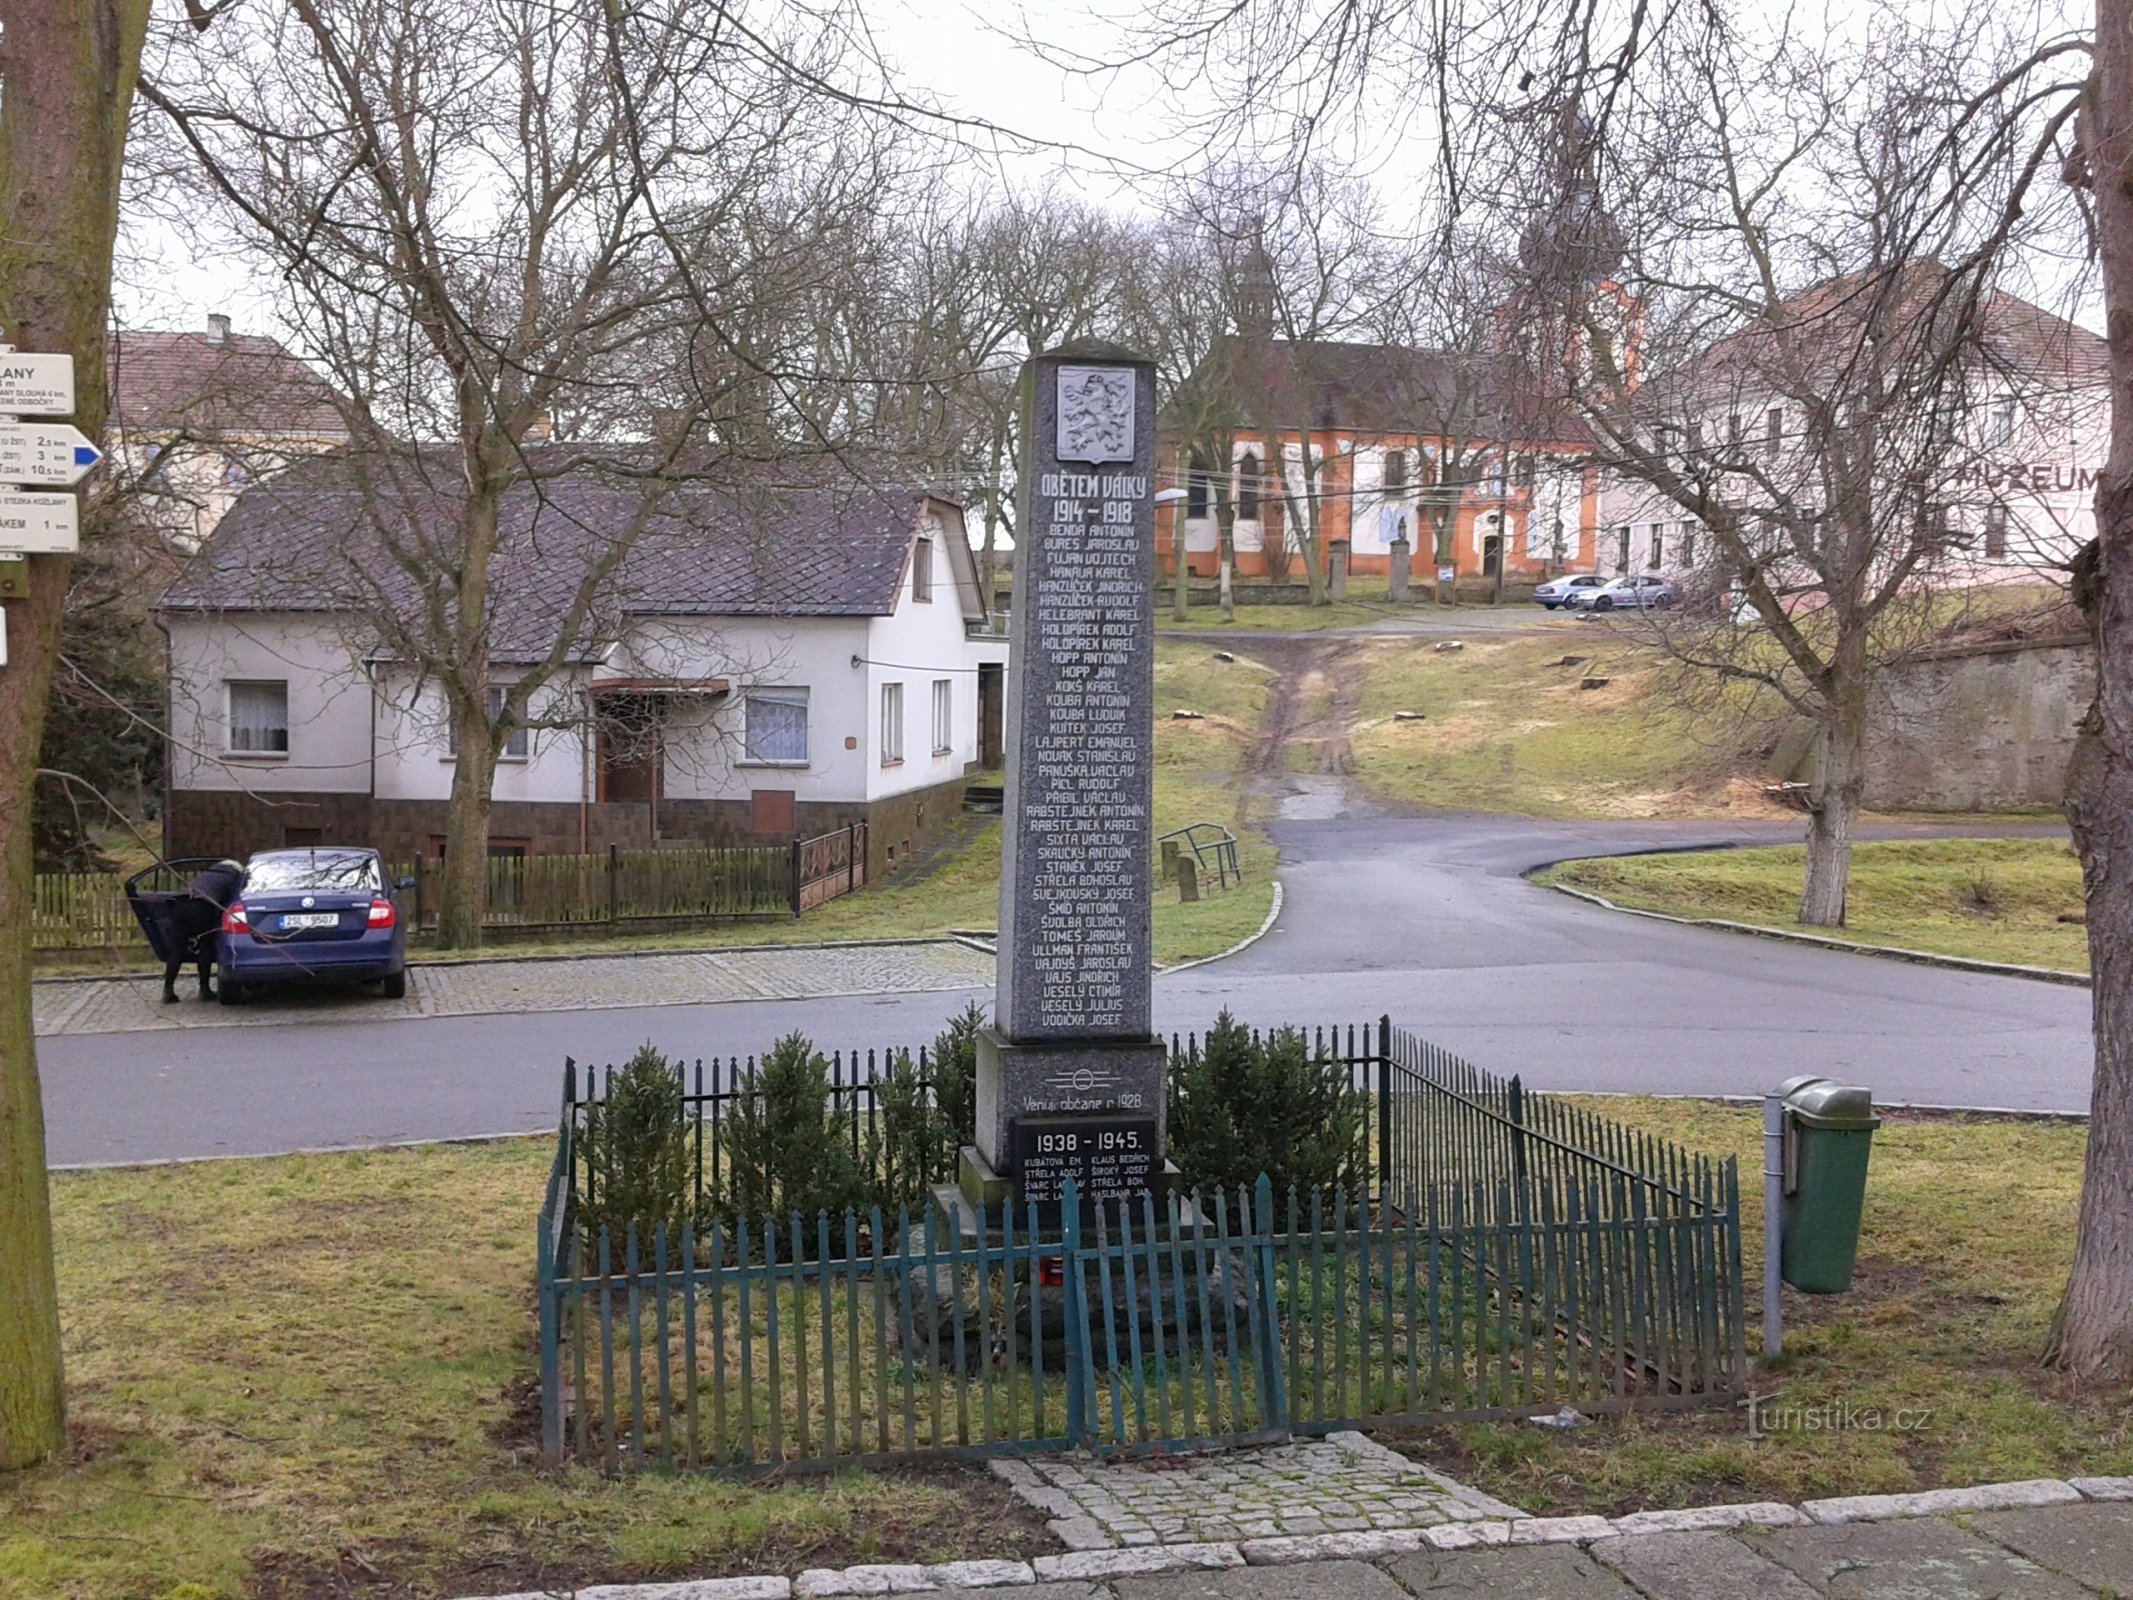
(632, 754)
(992, 715)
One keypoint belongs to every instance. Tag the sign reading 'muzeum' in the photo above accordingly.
(1070, 1078)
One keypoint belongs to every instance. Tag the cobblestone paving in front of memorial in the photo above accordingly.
(477, 988)
(1340, 1484)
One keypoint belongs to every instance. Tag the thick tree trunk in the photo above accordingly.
(466, 837)
(71, 66)
(465, 890)
(1833, 805)
(2092, 1337)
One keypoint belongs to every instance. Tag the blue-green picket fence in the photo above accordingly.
(1514, 1255)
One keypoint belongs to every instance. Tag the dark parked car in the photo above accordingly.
(304, 916)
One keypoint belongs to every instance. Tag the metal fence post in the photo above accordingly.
(614, 881)
(549, 1314)
(851, 845)
(1074, 1321)
(1273, 1389)
(1385, 1174)
(795, 877)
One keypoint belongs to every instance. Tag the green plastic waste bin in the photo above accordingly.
(1829, 1133)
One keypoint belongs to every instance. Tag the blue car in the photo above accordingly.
(305, 916)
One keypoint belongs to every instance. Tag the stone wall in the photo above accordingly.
(1979, 727)
(200, 822)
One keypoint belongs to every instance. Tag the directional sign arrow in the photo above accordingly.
(45, 452)
(38, 524)
(34, 385)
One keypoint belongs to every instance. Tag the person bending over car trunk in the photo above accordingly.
(195, 916)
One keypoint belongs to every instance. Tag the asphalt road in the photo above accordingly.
(1425, 918)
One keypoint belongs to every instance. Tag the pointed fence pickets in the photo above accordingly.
(1510, 1255)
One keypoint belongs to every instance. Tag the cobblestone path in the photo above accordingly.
(580, 983)
(1343, 1483)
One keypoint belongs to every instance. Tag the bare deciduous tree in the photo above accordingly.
(71, 70)
(619, 228)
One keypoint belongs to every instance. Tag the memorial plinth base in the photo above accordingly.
(1093, 1078)
(979, 1188)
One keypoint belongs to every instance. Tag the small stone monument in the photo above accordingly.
(1397, 577)
(1070, 1075)
(1337, 568)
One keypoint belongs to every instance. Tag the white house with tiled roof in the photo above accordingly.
(198, 417)
(782, 668)
(2016, 481)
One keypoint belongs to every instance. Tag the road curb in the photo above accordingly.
(1889, 952)
(824, 1583)
(1266, 927)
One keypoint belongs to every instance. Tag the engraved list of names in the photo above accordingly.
(1075, 944)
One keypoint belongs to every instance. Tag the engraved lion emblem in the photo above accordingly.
(1095, 414)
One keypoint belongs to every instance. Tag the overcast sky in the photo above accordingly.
(966, 55)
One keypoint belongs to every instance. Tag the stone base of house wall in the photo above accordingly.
(200, 822)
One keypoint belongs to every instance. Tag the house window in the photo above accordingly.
(1622, 548)
(892, 723)
(1522, 471)
(775, 725)
(1196, 489)
(1687, 545)
(1658, 546)
(943, 716)
(2001, 428)
(1395, 471)
(1774, 429)
(922, 570)
(1996, 531)
(516, 745)
(1248, 487)
(259, 717)
(1733, 427)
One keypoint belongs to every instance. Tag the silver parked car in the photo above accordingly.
(1563, 591)
(1631, 592)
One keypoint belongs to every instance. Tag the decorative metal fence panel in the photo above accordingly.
(1515, 1255)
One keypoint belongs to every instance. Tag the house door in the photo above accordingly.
(632, 752)
(1491, 554)
(992, 715)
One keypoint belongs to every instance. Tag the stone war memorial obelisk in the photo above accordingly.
(1070, 1077)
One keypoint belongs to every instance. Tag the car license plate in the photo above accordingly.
(311, 919)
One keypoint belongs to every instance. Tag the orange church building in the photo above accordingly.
(1397, 452)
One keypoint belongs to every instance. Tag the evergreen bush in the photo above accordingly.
(925, 1111)
(1242, 1104)
(638, 1163)
(788, 1147)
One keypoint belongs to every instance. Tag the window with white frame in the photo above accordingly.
(516, 747)
(1622, 548)
(1774, 429)
(892, 723)
(258, 717)
(922, 570)
(774, 726)
(1685, 541)
(943, 716)
(2000, 430)
(1996, 531)
(1658, 559)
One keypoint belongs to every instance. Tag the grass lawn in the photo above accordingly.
(1989, 899)
(1968, 1237)
(1506, 727)
(1273, 619)
(313, 1375)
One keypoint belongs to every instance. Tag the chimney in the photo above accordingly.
(218, 327)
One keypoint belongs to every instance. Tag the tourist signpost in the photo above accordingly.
(34, 523)
(1070, 1075)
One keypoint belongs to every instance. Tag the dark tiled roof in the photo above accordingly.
(1922, 307)
(321, 536)
(1339, 386)
(245, 384)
